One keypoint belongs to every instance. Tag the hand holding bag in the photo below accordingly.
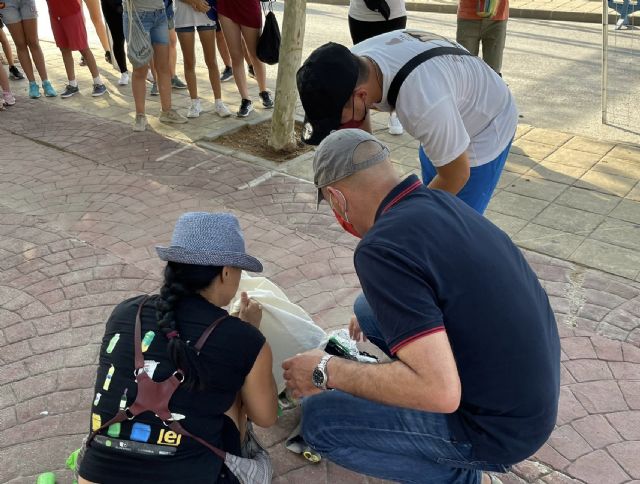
(268, 49)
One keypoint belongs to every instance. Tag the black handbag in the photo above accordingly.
(268, 49)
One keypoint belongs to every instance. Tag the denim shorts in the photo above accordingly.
(15, 11)
(154, 23)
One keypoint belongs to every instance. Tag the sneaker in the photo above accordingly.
(8, 98)
(195, 109)
(99, 90)
(154, 89)
(227, 73)
(252, 73)
(622, 22)
(140, 124)
(124, 79)
(245, 108)
(267, 101)
(69, 91)
(34, 90)
(221, 109)
(394, 125)
(82, 62)
(177, 83)
(107, 57)
(48, 89)
(15, 74)
(172, 117)
(150, 76)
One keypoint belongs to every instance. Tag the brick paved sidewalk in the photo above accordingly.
(83, 201)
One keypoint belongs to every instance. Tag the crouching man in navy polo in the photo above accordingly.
(473, 382)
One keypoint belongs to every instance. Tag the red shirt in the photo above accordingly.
(64, 8)
(479, 9)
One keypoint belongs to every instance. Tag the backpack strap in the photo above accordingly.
(405, 70)
(207, 332)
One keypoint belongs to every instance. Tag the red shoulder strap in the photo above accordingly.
(207, 332)
(137, 337)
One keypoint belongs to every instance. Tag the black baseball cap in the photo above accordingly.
(325, 83)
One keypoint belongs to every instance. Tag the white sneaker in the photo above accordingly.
(124, 79)
(140, 124)
(195, 109)
(221, 109)
(150, 77)
(394, 125)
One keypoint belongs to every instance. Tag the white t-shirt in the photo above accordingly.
(359, 11)
(187, 16)
(449, 103)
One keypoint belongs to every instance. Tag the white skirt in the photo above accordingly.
(187, 16)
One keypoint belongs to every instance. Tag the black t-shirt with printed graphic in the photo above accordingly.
(143, 449)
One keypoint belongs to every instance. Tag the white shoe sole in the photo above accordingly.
(193, 115)
(396, 131)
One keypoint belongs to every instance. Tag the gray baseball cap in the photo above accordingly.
(343, 153)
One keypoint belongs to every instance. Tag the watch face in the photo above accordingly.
(318, 378)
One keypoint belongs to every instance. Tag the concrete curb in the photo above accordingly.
(528, 13)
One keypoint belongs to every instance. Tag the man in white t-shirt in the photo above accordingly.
(460, 110)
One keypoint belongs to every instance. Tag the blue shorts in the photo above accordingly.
(15, 11)
(482, 182)
(154, 23)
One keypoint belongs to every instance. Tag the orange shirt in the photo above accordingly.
(479, 9)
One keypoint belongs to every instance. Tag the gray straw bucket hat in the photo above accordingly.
(208, 239)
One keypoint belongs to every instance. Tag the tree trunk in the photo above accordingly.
(283, 121)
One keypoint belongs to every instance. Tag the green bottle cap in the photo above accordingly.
(46, 478)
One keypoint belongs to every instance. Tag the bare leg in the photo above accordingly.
(31, 35)
(245, 51)
(96, 18)
(90, 60)
(208, 41)
(139, 87)
(6, 48)
(251, 39)
(17, 33)
(67, 58)
(4, 82)
(173, 52)
(187, 44)
(223, 50)
(163, 74)
(232, 34)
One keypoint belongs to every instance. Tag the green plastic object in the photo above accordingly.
(72, 463)
(46, 478)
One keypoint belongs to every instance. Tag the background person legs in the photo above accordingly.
(494, 34)
(112, 11)
(8, 53)
(96, 18)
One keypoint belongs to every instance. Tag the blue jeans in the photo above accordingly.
(154, 23)
(387, 442)
(482, 182)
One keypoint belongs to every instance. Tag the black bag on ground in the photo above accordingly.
(268, 49)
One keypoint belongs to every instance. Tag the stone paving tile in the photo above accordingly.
(73, 242)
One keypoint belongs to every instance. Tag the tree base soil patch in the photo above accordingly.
(254, 140)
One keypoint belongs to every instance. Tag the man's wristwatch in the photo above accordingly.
(319, 375)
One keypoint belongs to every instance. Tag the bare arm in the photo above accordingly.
(259, 394)
(425, 378)
(453, 176)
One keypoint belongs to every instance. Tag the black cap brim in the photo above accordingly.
(314, 132)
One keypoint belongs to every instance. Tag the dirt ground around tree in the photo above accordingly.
(255, 141)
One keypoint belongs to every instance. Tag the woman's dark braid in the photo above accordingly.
(182, 355)
(170, 293)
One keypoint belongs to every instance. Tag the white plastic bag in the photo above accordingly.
(286, 326)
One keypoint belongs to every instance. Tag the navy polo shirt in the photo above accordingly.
(430, 263)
